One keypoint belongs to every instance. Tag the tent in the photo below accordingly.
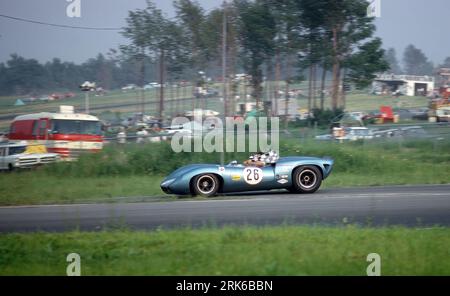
(19, 102)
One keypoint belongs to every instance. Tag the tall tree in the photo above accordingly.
(192, 16)
(416, 62)
(24, 75)
(365, 63)
(350, 26)
(291, 46)
(257, 32)
(55, 71)
(444, 79)
(312, 20)
(99, 69)
(329, 33)
(314, 42)
(446, 63)
(390, 57)
(152, 34)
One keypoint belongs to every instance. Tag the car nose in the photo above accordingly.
(166, 189)
(165, 185)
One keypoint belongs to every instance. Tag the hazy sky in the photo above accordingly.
(423, 23)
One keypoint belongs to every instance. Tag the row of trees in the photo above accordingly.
(415, 62)
(21, 76)
(283, 38)
(27, 76)
(290, 40)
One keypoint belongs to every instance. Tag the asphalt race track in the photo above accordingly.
(411, 206)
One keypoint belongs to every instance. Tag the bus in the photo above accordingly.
(67, 133)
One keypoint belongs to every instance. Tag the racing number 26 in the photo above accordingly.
(253, 175)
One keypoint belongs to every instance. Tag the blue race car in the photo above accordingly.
(296, 174)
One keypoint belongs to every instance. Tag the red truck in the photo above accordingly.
(66, 133)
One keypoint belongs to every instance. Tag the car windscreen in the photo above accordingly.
(17, 150)
(78, 127)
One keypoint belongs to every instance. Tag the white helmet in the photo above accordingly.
(272, 157)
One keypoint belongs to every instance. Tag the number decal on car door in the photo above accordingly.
(253, 176)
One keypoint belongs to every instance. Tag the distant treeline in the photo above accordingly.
(22, 76)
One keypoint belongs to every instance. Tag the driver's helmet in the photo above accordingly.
(271, 157)
(263, 157)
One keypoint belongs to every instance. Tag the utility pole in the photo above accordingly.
(224, 72)
(87, 87)
(310, 86)
(314, 85)
(161, 85)
(86, 101)
(343, 95)
(322, 87)
(277, 82)
(142, 82)
(286, 97)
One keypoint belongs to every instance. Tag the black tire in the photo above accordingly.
(205, 185)
(10, 167)
(306, 179)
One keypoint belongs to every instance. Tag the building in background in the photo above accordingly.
(408, 85)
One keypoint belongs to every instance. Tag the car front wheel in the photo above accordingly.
(306, 179)
(205, 185)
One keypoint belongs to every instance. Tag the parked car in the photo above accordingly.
(402, 132)
(20, 155)
(443, 114)
(419, 114)
(206, 92)
(57, 96)
(387, 133)
(188, 129)
(358, 133)
(358, 115)
(129, 87)
(327, 137)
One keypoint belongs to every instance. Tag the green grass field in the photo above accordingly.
(108, 102)
(135, 173)
(364, 102)
(355, 102)
(31, 188)
(282, 250)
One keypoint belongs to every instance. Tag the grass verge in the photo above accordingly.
(137, 171)
(281, 250)
(30, 188)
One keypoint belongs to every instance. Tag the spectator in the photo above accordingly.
(122, 136)
(141, 135)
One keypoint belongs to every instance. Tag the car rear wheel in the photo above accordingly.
(205, 185)
(306, 179)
